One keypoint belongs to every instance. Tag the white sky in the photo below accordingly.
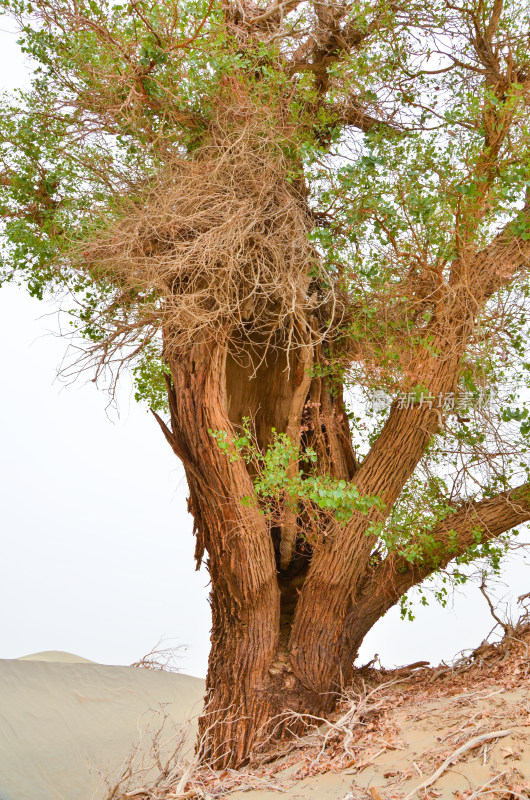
(96, 542)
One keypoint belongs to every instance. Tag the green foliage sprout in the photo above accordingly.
(275, 479)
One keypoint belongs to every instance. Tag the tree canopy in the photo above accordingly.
(156, 149)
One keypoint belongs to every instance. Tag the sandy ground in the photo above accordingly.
(67, 724)
(459, 732)
(456, 732)
(417, 740)
(56, 656)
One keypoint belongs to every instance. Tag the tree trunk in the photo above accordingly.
(323, 652)
(289, 614)
(245, 598)
(256, 571)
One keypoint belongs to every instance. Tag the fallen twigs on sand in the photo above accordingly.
(454, 756)
(482, 702)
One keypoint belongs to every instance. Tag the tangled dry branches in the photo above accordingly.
(217, 242)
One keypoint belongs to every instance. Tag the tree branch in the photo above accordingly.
(394, 576)
(494, 267)
(330, 42)
(353, 114)
(276, 10)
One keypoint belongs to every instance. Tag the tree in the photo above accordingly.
(269, 213)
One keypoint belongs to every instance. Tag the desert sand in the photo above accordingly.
(67, 724)
(418, 739)
(460, 732)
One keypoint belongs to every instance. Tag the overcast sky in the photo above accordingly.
(97, 546)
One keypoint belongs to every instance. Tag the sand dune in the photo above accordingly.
(459, 732)
(56, 656)
(65, 722)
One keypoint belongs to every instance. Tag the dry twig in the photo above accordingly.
(457, 753)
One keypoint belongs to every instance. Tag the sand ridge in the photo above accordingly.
(67, 725)
(73, 730)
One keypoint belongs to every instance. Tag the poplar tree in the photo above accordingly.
(303, 227)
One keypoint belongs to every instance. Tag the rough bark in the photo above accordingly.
(321, 652)
(245, 597)
(388, 580)
(256, 572)
(289, 612)
(324, 638)
(286, 631)
(253, 569)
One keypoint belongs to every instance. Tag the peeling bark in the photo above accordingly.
(245, 598)
(290, 611)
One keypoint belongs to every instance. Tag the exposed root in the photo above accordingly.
(470, 702)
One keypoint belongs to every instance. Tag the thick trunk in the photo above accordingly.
(245, 598)
(290, 612)
(256, 571)
(325, 632)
